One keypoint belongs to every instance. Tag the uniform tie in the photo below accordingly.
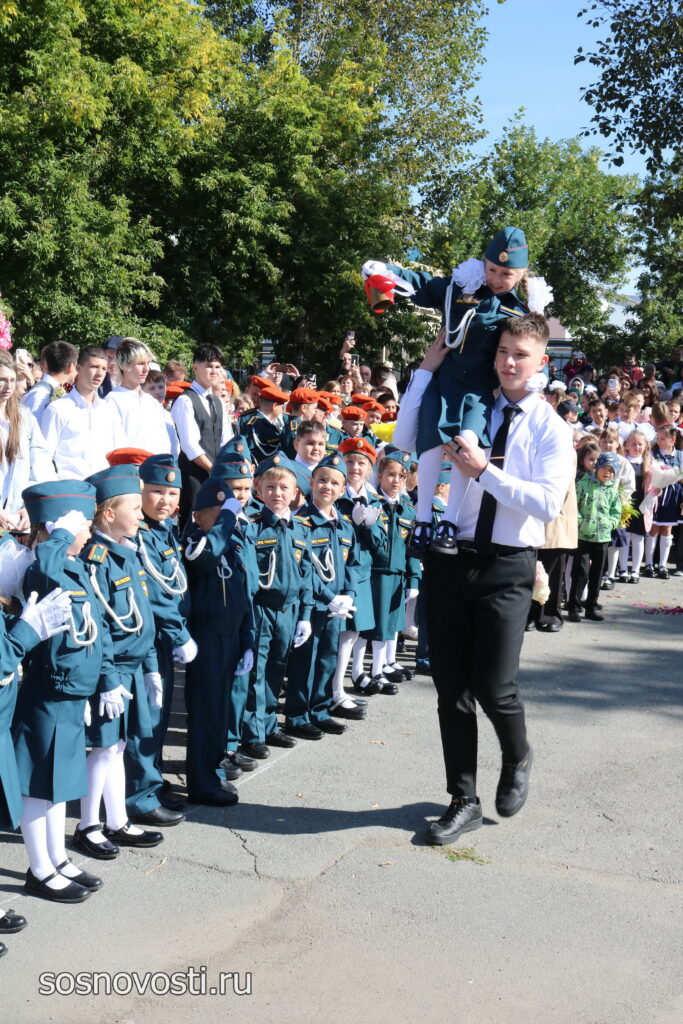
(487, 512)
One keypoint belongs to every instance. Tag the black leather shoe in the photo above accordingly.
(530, 627)
(460, 817)
(594, 616)
(170, 799)
(246, 764)
(422, 667)
(573, 617)
(258, 750)
(444, 541)
(329, 725)
(160, 816)
(392, 675)
(71, 893)
(513, 786)
(91, 882)
(386, 687)
(231, 771)
(361, 683)
(607, 583)
(307, 731)
(648, 571)
(100, 851)
(279, 739)
(420, 539)
(124, 837)
(11, 923)
(359, 702)
(550, 627)
(355, 714)
(216, 798)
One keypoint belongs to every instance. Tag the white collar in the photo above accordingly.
(331, 516)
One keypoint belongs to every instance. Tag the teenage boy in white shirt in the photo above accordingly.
(142, 418)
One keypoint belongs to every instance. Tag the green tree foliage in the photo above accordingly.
(574, 214)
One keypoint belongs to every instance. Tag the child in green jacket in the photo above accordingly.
(599, 508)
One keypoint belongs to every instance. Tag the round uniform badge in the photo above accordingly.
(503, 257)
(243, 470)
(359, 444)
(220, 495)
(239, 447)
(170, 477)
(276, 460)
(142, 485)
(335, 460)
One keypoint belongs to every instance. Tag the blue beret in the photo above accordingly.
(162, 470)
(333, 461)
(403, 458)
(278, 461)
(48, 501)
(237, 444)
(233, 468)
(509, 249)
(303, 477)
(212, 492)
(117, 480)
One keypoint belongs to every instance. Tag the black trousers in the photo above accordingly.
(476, 610)
(589, 560)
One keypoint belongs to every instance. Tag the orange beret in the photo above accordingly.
(273, 394)
(372, 405)
(325, 405)
(361, 400)
(358, 446)
(388, 417)
(352, 412)
(127, 456)
(177, 387)
(260, 382)
(332, 397)
(304, 396)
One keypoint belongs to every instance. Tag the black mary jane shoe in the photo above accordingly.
(84, 878)
(11, 923)
(100, 851)
(71, 893)
(445, 541)
(361, 683)
(354, 714)
(124, 837)
(420, 539)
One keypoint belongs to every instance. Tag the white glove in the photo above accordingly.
(73, 522)
(303, 631)
(14, 561)
(371, 515)
(232, 505)
(358, 513)
(87, 714)
(411, 593)
(111, 702)
(7, 680)
(155, 689)
(246, 663)
(50, 615)
(341, 607)
(186, 653)
(371, 267)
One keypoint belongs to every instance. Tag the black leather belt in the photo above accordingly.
(468, 547)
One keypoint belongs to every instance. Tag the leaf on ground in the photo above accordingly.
(385, 863)
(380, 743)
(156, 867)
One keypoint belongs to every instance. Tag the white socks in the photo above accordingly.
(411, 605)
(357, 666)
(40, 823)
(346, 641)
(664, 549)
(612, 558)
(428, 470)
(106, 778)
(391, 654)
(649, 549)
(637, 544)
(379, 656)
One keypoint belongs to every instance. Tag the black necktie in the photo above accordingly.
(213, 407)
(487, 512)
(360, 501)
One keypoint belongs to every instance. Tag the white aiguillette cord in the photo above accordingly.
(133, 610)
(165, 582)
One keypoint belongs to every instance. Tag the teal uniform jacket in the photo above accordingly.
(371, 541)
(122, 582)
(262, 435)
(161, 557)
(289, 436)
(284, 598)
(336, 565)
(59, 675)
(243, 540)
(394, 571)
(222, 623)
(16, 638)
(460, 394)
(334, 439)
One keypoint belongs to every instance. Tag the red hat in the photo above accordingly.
(388, 417)
(332, 397)
(304, 396)
(271, 393)
(325, 405)
(177, 387)
(352, 412)
(127, 456)
(260, 382)
(361, 400)
(373, 405)
(358, 446)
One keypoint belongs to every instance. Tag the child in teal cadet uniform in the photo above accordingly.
(59, 677)
(282, 603)
(147, 795)
(363, 505)
(475, 302)
(334, 554)
(120, 584)
(222, 622)
(395, 574)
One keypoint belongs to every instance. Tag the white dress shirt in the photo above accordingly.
(40, 396)
(78, 434)
(182, 412)
(142, 420)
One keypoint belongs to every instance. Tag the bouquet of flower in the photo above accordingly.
(541, 591)
(660, 477)
(628, 512)
(5, 332)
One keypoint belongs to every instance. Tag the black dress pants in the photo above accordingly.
(589, 561)
(476, 611)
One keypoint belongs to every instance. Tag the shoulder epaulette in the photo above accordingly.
(304, 520)
(346, 518)
(97, 553)
(407, 503)
(143, 526)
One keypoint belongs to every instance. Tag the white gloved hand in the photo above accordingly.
(7, 680)
(232, 505)
(49, 616)
(246, 663)
(371, 267)
(111, 702)
(186, 653)
(343, 607)
(303, 631)
(411, 593)
(371, 515)
(74, 522)
(154, 688)
(358, 513)
(87, 714)
(14, 561)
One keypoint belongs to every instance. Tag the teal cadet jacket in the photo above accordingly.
(161, 557)
(262, 435)
(283, 556)
(221, 601)
(334, 555)
(397, 519)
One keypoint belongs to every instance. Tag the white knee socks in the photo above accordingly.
(106, 779)
(39, 837)
(612, 558)
(637, 547)
(346, 641)
(428, 469)
(649, 549)
(359, 648)
(664, 549)
(379, 656)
